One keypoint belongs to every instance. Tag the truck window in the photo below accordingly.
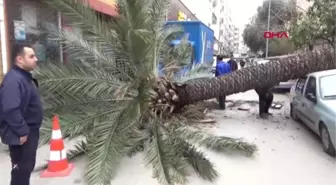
(300, 85)
(311, 86)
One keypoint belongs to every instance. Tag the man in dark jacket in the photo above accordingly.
(265, 101)
(21, 114)
(242, 63)
(222, 68)
(233, 64)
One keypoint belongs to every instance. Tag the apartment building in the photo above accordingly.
(236, 40)
(226, 27)
(181, 7)
(214, 13)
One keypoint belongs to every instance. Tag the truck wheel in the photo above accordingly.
(293, 113)
(326, 141)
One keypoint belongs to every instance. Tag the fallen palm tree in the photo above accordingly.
(268, 74)
(112, 95)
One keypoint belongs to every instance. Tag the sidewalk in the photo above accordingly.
(289, 155)
(133, 170)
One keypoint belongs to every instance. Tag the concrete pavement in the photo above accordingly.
(289, 154)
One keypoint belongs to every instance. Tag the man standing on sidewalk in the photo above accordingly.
(21, 114)
(233, 64)
(265, 101)
(222, 68)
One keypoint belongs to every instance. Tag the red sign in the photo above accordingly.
(271, 35)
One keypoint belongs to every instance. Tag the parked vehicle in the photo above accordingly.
(313, 101)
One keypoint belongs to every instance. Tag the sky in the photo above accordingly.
(243, 10)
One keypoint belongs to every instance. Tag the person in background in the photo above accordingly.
(242, 63)
(265, 100)
(21, 113)
(39, 49)
(222, 68)
(233, 64)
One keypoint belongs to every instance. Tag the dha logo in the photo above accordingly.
(271, 35)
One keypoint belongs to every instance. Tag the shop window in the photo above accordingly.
(26, 20)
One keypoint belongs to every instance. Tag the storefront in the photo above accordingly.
(25, 22)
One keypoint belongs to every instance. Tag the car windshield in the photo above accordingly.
(327, 87)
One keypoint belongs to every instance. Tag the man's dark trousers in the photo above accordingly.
(221, 100)
(268, 101)
(23, 159)
(265, 100)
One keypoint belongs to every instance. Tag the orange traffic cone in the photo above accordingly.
(58, 165)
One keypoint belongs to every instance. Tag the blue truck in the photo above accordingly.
(201, 39)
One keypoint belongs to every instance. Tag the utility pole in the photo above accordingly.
(268, 25)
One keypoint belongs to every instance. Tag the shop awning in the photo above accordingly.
(104, 6)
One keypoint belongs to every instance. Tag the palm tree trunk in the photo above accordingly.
(248, 78)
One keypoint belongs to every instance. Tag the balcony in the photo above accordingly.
(214, 19)
(214, 4)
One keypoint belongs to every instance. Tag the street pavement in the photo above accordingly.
(289, 154)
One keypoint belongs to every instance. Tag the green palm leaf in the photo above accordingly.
(105, 93)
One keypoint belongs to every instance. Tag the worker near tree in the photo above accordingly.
(265, 100)
(222, 68)
(21, 114)
(233, 64)
(242, 63)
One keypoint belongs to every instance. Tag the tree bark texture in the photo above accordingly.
(251, 77)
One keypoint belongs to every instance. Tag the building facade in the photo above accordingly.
(177, 8)
(226, 32)
(236, 40)
(24, 21)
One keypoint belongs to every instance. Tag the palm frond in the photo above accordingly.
(167, 166)
(217, 143)
(110, 93)
(110, 142)
(201, 165)
(77, 79)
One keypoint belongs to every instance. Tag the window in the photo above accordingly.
(214, 19)
(26, 23)
(311, 86)
(327, 87)
(300, 85)
(214, 3)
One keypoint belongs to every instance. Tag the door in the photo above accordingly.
(298, 96)
(309, 103)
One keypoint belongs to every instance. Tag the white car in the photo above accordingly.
(313, 101)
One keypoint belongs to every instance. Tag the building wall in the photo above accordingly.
(176, 6)
(236, 40)
(215, 23)
(226, 32)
